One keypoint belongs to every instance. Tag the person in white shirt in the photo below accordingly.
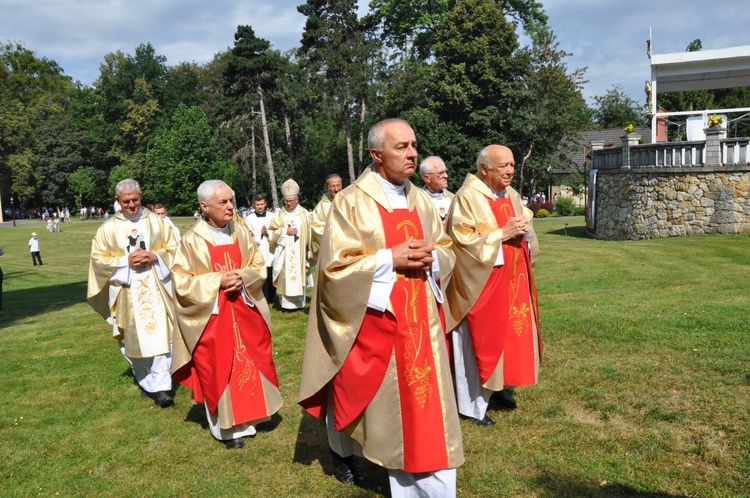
(158, 208)
(258, 221)
(34, 249)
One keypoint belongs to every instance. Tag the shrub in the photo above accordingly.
(536, 206)
(542, 213)
(565, 206)
(579, 211)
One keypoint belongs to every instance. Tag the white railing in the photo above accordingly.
(734, 151)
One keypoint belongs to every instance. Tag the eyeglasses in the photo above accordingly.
(439, 173)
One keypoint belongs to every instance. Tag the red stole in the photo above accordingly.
(234, 350)
(500, 320)
(405, 333)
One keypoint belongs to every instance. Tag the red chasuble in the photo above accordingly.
(406, 333)
(500, 322)
(233, 351)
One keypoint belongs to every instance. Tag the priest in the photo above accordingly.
(223, 352)
(375, 364)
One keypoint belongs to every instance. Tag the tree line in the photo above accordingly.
(253, 116)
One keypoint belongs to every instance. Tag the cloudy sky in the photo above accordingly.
(609, 38)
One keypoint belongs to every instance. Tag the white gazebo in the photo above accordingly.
(702, 70)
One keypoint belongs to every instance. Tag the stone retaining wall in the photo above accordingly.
(633, 204)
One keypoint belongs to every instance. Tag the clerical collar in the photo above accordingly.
(396, 194)
(135, 218)
(434, 195)
(261, 215)
(391, 188)
(213, 229)
(500, 194)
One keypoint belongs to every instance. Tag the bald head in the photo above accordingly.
(496, 166)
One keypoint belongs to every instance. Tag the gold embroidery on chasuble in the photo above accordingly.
(411, 285)
(249, 372)
(519, 311)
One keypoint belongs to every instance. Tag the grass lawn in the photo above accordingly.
(644, 390)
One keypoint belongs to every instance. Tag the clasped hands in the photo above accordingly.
(412, 254)
(231, 282)
(141, 258)
(518, 225)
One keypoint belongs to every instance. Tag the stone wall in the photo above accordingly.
(634, 204)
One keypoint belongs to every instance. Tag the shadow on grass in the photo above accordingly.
(579, 232)
(561, 486)
(312, 445)
(24, 303)
(306, 310)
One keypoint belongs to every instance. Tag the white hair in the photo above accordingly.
(483, 157)
(206, 189)
(126, 186)
(376, 136)
(428, 163)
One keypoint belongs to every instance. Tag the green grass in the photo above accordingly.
(644, 390)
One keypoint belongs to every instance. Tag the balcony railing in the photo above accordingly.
(734, 151)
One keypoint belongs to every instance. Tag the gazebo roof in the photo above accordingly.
(702, 70)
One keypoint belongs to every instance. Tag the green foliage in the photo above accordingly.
(615, 109)
(542, 213)
(83, 187)
(412, 25)
(183, 156)
(59, 149)
(32, 90)
(118, 174)
(564, 206)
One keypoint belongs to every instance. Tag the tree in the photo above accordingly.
(59, 150)
(477, 81)
(339, 50)
(130, 92)
(412, 26)
(183, 156)
(251, 68)
(83, 187)
(550, 107)
(615, 109)
(32, 90)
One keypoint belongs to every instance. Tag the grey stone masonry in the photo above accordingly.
(638, 204)
(713, 146)
(669, 189)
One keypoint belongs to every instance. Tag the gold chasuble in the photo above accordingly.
(388, 372)
(141, 311)
(225, 358)
(500, 322)
(499, 302)
(290, 251)
(318, 225)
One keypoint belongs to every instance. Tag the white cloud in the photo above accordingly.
(608, 37)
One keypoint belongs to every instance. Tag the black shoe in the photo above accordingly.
(234, 444)
(485, 422)
(504, 399)
(345, 470)
(163, 399)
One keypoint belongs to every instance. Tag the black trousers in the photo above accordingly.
(36, 256)
(268, 289)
